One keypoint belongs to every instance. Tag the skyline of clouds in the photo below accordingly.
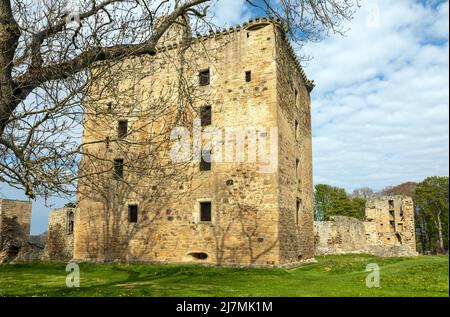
(380, 109)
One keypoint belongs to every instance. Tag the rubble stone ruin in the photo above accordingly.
(59, 245)
(15, 218)
(387, 230)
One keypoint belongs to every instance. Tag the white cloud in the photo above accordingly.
(380, 109)
(228, 13)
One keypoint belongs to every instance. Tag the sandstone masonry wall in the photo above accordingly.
(340, 235)
(295, 157)
(252, 212)
(59, 245)
(388, 230)
(15, 219)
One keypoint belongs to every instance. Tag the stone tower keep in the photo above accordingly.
(233, 212)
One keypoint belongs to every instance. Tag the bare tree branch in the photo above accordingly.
(48, 70)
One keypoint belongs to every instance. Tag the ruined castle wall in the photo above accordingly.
(244, 201)
(390, 224)
(340, 235)
(295, 159)
(15, 219)
(59, 245)
(388, 230)
(19, 211)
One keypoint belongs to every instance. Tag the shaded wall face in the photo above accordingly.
(244, 227)
(15, 217)
(59, 245)
(173, 231)
(18, 212)
(295, 160)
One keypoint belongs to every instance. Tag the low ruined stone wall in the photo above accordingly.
(391, 251)
(387, 230)
(29, 252)
(340, 235)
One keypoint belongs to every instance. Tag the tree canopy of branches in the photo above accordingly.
(364, 193)
(333, 201)
(47, 50)
(432, 214)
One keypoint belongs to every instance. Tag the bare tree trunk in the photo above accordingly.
(424, 236)
(441, 238)
(9, 37)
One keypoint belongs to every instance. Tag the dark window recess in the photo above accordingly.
(70, 223)
(205, 212)
(118, 169)
(198, 256)
(299, 209)
(206, 116)
(133, 213)
(205, 164)
(122, 129)
(13, 250)
(296, 95)
(391, 204)
(296, 130)
(109, 106)
(204, 78)
(248, 76)
(297, 166)
(107, 141)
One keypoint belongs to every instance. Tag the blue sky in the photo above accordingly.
(381, 105)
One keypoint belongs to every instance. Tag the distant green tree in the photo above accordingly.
(359, 206)
(433, 210)
(333, 201)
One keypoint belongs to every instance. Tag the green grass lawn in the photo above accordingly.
(331, 276)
